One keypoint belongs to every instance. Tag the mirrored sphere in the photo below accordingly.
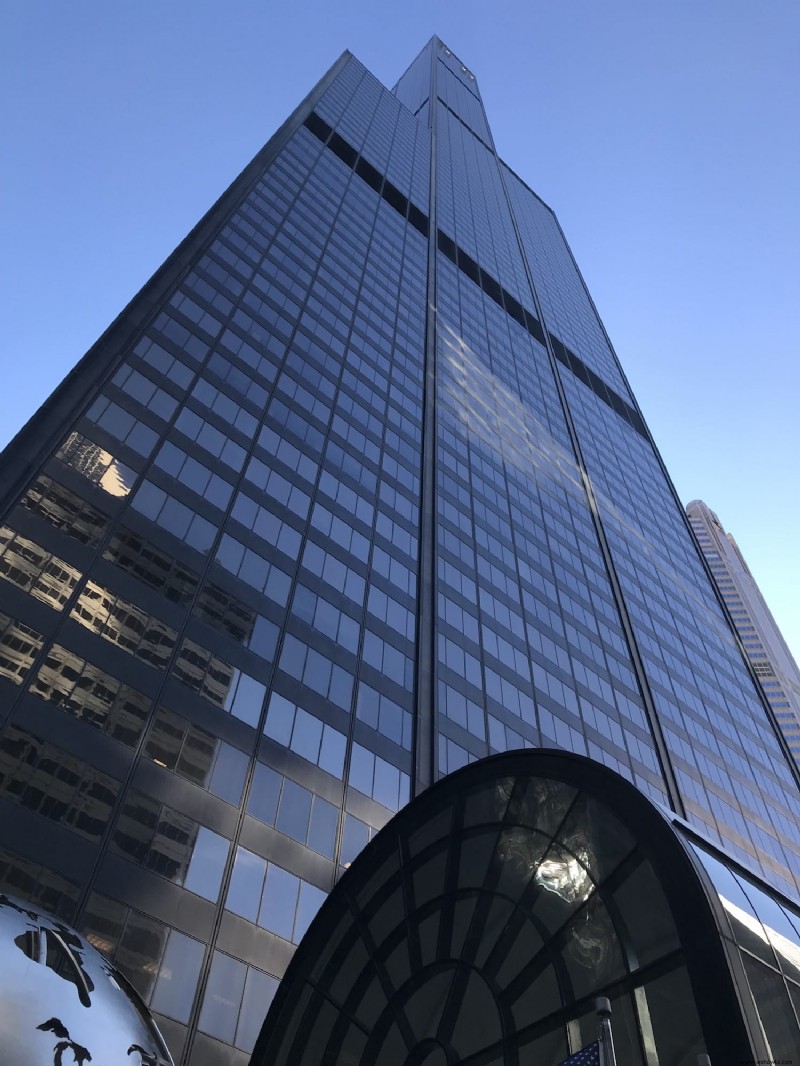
(62, 1002)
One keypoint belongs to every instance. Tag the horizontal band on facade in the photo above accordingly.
(467, 265)
(365, 170)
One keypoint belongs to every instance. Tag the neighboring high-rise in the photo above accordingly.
(763, 641)
(353, 493)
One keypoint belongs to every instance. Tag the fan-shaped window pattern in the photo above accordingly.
(482, 932)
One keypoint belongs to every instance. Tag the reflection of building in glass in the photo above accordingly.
(97, 465)
(763, 641)
(355, 493)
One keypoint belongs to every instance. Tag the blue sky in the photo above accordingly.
(665, 136)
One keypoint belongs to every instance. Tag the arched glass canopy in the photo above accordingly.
(483, 921)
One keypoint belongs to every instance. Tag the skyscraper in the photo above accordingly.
(763, 641)
(353, 493)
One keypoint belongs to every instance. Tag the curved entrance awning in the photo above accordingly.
(482, 922)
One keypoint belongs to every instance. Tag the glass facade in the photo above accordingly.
(352, 494)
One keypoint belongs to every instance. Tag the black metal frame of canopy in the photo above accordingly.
(319, 1001)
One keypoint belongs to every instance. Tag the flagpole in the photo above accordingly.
(603, 1008)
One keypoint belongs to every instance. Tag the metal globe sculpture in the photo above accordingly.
(62, 1002)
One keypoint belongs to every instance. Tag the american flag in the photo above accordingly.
(589, 1056)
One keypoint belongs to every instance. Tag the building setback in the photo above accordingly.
(763, 641)
(352, 494)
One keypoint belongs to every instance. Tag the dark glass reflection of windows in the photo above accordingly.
(65, 511)
(31, 881)
(28, 566)
(92, 695)
(336, 458)
(236, 620)
(222, 684)
(171, 844)
(358, 441)
(348, 499)
(152, 566)
(208, 293)
(59, 786)
(97, 465)
(197, 755)
(263, 639)
(123, 623)
(18, 646)
(203, 672)
(502, 737)
(103, 925)
(141, 388)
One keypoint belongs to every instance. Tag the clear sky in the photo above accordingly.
(664, 135)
